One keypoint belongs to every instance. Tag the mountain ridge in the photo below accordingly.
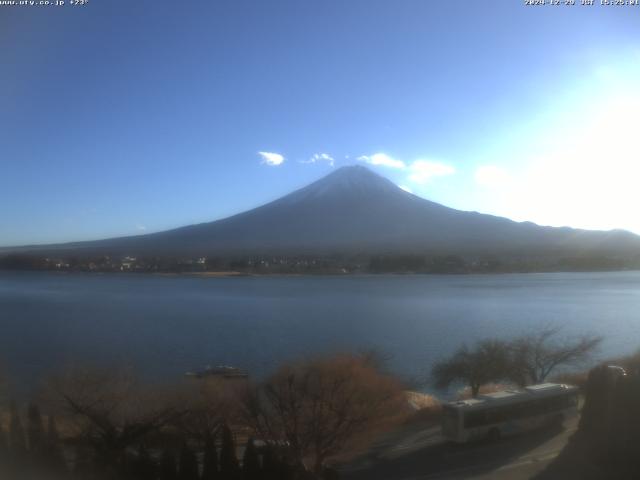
(354, 210)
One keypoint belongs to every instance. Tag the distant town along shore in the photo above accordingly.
(336, 264)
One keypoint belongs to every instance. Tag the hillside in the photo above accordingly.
(355, 211)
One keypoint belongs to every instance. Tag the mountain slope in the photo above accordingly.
(353, 210)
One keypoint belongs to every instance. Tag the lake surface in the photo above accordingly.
(166, 325)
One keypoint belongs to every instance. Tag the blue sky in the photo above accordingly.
(123, 117)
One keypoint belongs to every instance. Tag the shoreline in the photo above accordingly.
(236, 274)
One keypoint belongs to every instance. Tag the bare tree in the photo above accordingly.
(207, 405)
(316, 408)
(536, 355)
(487, 362)
(111, 412)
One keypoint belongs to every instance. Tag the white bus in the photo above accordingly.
(508, 412)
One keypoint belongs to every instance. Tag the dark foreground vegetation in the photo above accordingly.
(300, 423)
(318, 264)
(607, 443)
(104, 425)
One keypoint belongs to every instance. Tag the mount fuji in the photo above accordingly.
(356, 211)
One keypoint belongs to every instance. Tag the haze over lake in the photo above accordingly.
(166, 325)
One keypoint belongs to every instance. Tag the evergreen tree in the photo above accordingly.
(168, 469)
(210, 461)
(35, 433)
(330, 474)
(269, 465)
(188, 467)
(143, 467)
(274, 467)
(4, 448)
(17, 442)
(251, 462)
(54, 457)
(284, 469)
(83, 464)
(229, 467)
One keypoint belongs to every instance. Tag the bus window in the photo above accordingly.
(450, 418)
(475, 419)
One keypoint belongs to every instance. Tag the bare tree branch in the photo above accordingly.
(537, 354)
(487, 362)
(316, 408)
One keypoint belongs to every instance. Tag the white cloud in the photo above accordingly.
(271, 159)
(320, 157)
(141, 228)
(382, 159)
(491, 176)
(421, 171)
(405, 188)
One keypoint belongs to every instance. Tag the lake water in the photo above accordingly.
(166, 325)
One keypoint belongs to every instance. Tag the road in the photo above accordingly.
(415, 454)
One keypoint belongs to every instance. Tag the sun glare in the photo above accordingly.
(592, 179)
(586, 173)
